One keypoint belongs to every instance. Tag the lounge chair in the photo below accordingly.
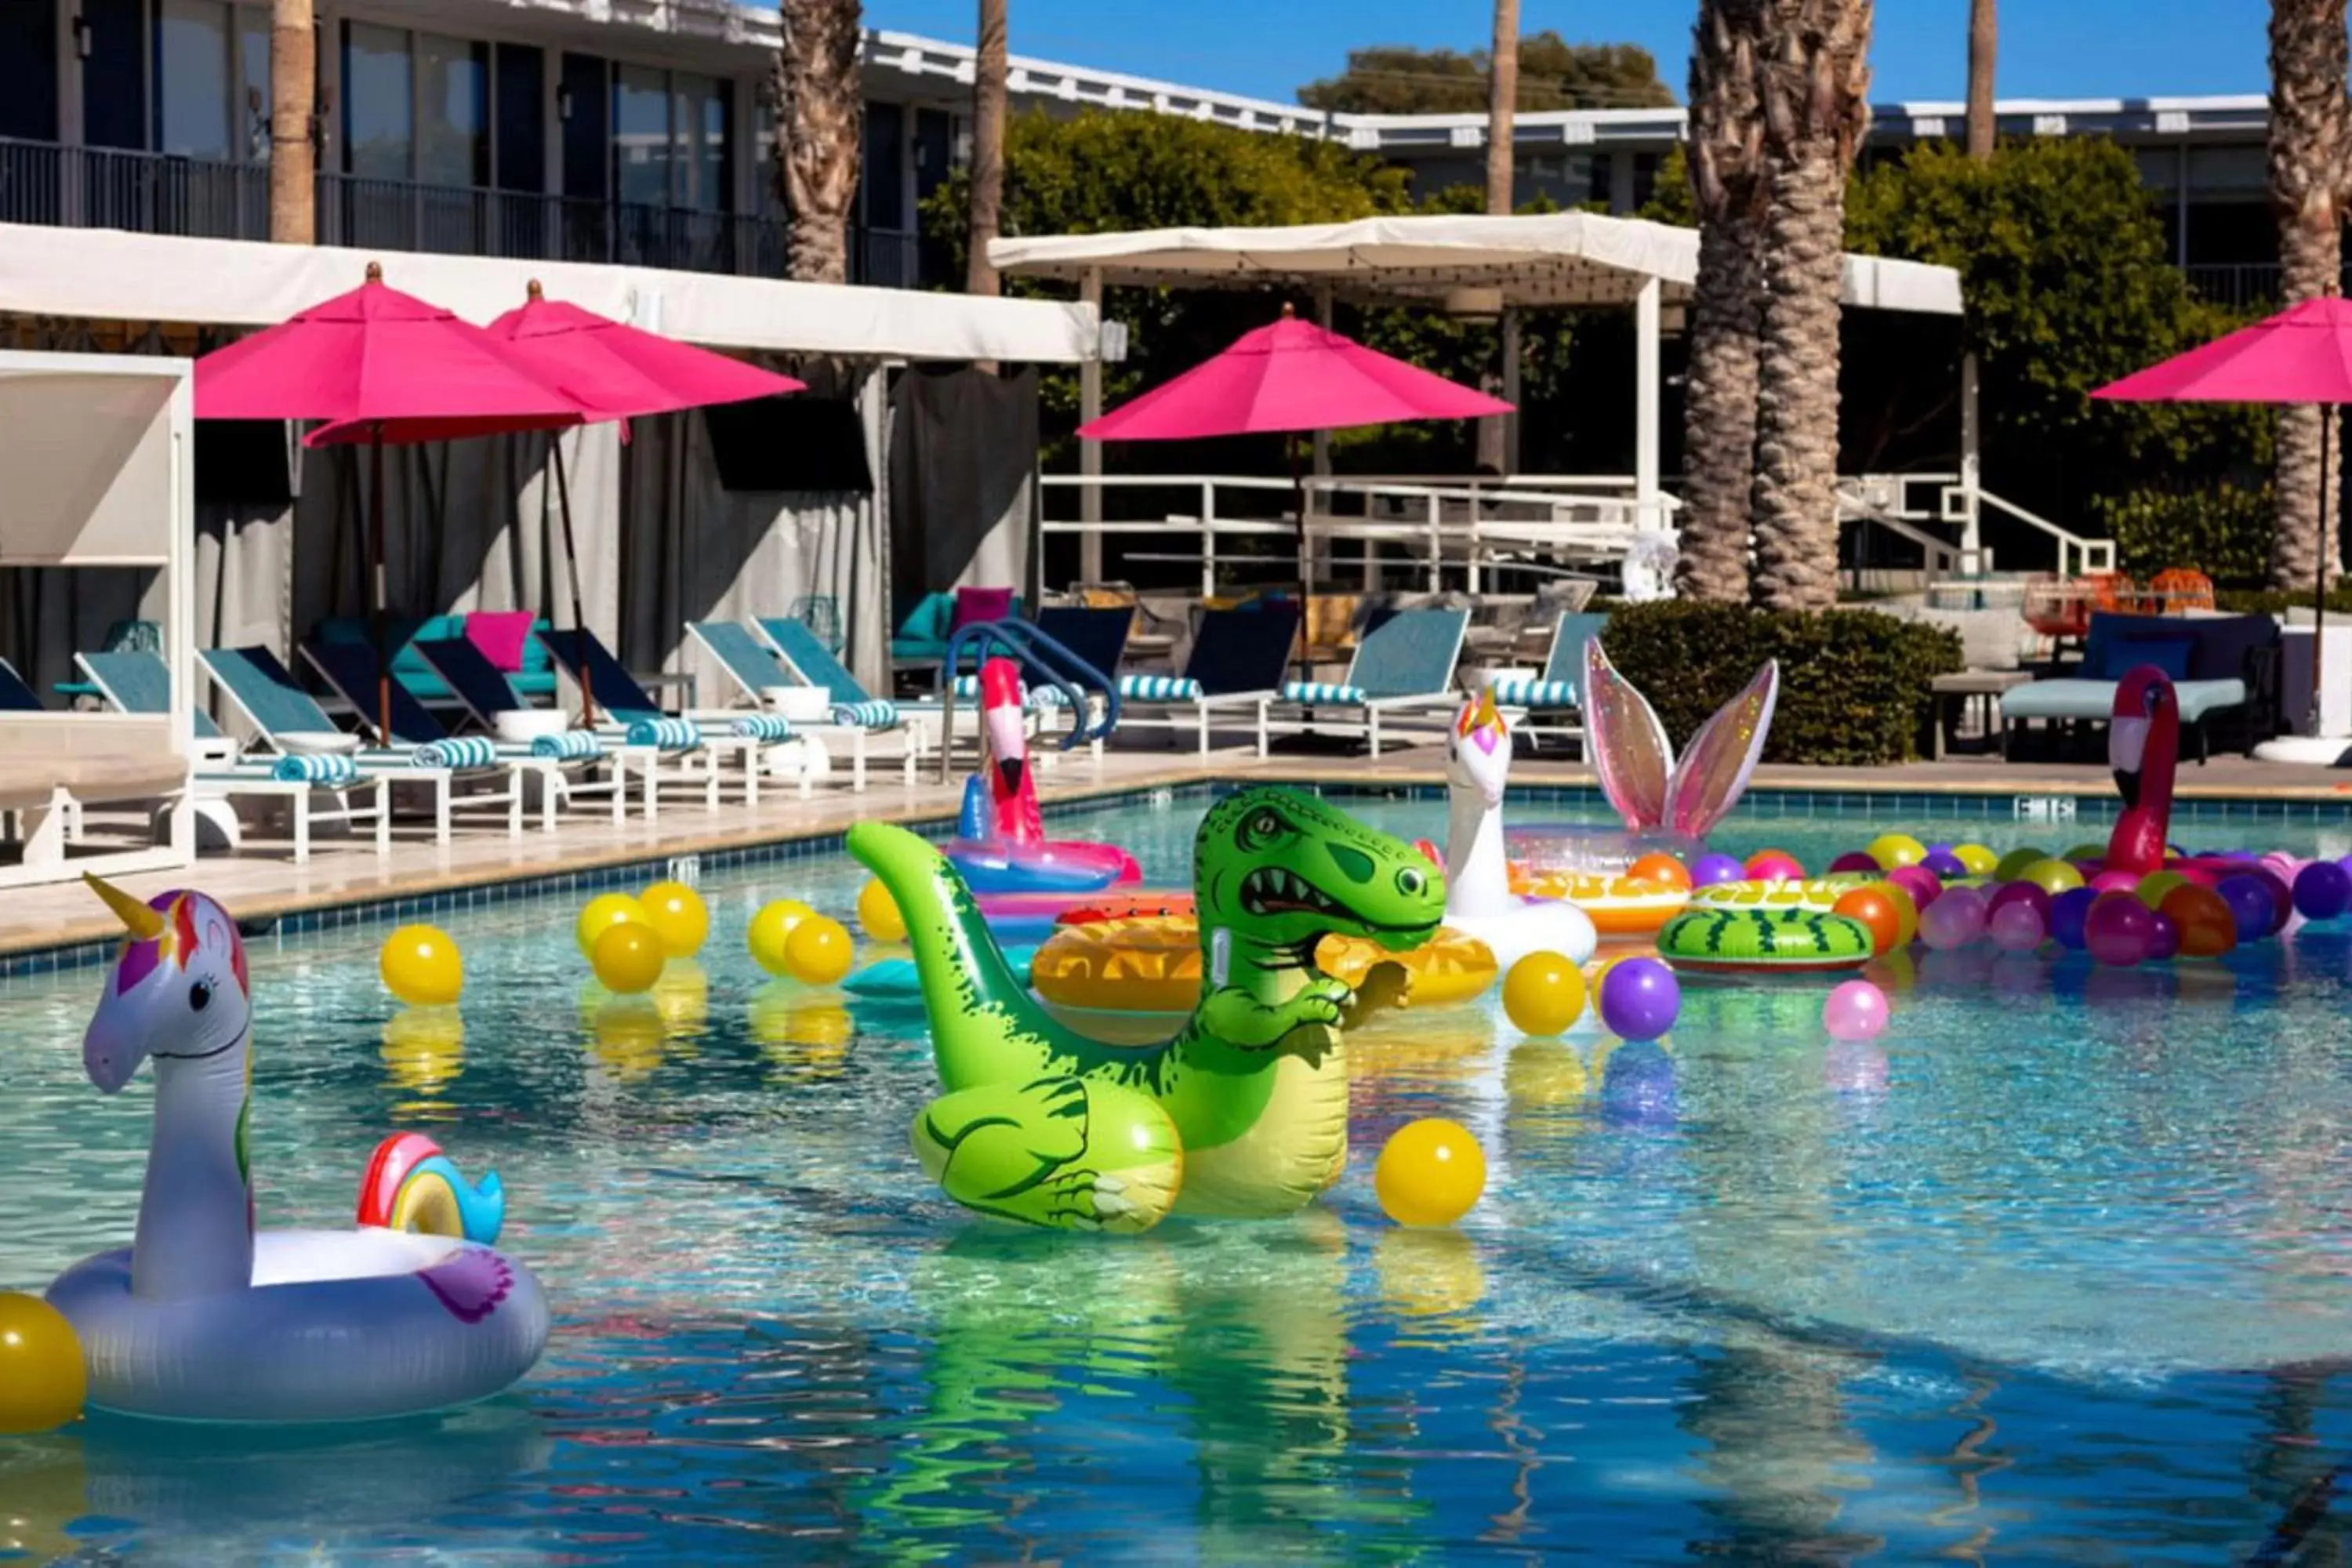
(1552, 703)
(1404, 665)
(140, 683)
(1096, 638)
(1239, 660)
(635, 721)
(805, 655)
(756, 669)
(2219, 665)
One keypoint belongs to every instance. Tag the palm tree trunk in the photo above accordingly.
(820, 124)
(2309, 146)
(1726, 158)
(293, 97)
(1502, 113)
(1984, 46)
(992, 69)
(1815, 85)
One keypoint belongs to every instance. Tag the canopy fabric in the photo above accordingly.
(108, 275)
(379, 358)
(2303, 355)
(1290, 376)
(1559, 259)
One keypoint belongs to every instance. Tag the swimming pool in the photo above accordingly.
(2061, 1272)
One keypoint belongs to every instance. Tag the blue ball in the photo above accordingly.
(2322, 891)
(1946, 865)
(2250, 905)
(2067, 912)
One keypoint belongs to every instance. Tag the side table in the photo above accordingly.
(1952, 693)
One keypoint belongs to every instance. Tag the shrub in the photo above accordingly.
(2224, 532)
(1854, 683)
(2272, 602)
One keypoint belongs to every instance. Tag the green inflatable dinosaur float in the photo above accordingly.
(1244, 1112)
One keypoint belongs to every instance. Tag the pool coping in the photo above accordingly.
(93, 942)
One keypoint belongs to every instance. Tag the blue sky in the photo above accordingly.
(2050, 48)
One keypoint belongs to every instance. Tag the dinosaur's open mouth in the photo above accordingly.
(1271, 890)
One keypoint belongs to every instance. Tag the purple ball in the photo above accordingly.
(2067, 912)
(2020, 893)
(2322, 891)
(1711, 871)
(2282, 896)
(1946, 865)
(2250, 905)
(2119, 930)
(1854, 860)
(1924, 885)
(1640, 999)
(2164, 942)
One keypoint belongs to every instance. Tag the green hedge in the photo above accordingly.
(1854, 683)
(2271, 602)
(2224, 532)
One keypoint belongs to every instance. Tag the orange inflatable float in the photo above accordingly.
(1153, 965)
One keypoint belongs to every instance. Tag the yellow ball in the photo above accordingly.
(1430, 1173)
(1543, 994)
(771, 928)
(421, 965)
(1894, 850)
(2052, 876)
(605, 911)
(42, 1379)
(1979, 860)
(629, 958)
(819, 951)
(679, 917)
(878, 912)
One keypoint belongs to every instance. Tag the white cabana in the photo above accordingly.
(1470, 265)
(96, 473)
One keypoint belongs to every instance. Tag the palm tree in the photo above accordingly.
(2307, 151)
(1984, 44)
(991, 68)
(1502, 111)
(820, 122)
(293, 92)
(1727, 173)
(1814, 82)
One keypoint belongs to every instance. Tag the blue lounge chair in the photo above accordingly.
(697, 742)
(805, 655)
(15, 695)
(1239, 660)
(140, 683)
(1404, 665)
(1553, 701)
(2219, 665)
(756, 668)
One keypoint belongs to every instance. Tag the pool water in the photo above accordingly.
(2059, 1269)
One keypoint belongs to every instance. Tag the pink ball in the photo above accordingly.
(1772, 866)
(1856, 1010)
(2119, 931)
(2016, 926)
(2113, 882)
(1922, 884)
(1953, 920)
(1854, 860)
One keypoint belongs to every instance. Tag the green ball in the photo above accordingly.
(2012, 867)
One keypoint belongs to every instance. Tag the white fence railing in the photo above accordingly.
(1474, 531)
(1893, 502)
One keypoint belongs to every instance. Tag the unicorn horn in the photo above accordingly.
(143, 924)
(1486, 717)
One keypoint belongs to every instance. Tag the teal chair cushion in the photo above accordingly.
(2095, 700)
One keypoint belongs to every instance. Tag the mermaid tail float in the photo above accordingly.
(205, 1319)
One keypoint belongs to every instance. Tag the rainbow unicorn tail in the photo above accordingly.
(411, 1186)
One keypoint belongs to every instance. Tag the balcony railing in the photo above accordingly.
(2243, 285)
(150, 193)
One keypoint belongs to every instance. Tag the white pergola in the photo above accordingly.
(1469, 265)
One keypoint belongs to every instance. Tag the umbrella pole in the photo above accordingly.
(2319, 594)
(382, 630)
(572, 576)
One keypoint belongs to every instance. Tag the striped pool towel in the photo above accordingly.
(318, 770)
(665, 735)
(459, 753)
(571, 746)
(1524, 692)
(967, 690)
(1159, 688)
(761, 727)
(1332, 691)
(873, 713)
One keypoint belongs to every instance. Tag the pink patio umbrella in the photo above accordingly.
(1288, 377)
(384, 366)
(2303, 355)
(614, 371)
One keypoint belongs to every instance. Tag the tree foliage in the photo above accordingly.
(1553, 74)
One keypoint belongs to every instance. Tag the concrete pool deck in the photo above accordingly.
(263, 884)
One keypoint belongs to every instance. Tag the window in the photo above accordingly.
(453, 130)
(698, 115)
(193, 79)
(641, 144)
(1645, 179)
(253, 81)
(379, 104)
(522, 124)
(29, 70)
(882, 174)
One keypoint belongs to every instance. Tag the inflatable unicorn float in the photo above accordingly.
(204, 1319)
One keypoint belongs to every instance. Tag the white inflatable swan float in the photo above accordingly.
(1478, 897)
(203, 1319)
